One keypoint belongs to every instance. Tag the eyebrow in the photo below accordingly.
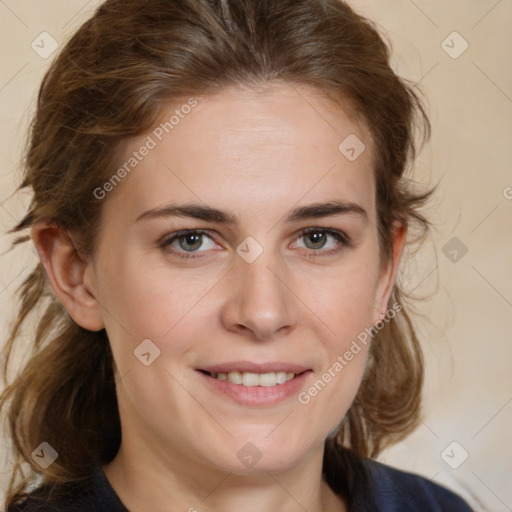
(210, 214)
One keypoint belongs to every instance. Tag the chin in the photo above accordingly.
(255, 454)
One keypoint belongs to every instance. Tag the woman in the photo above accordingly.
(220, 209)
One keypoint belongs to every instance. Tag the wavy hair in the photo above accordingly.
(110, 82)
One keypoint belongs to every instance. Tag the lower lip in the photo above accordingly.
(258, 395)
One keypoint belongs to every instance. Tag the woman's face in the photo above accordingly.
(247, 292)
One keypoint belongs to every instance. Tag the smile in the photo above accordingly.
(250, 379)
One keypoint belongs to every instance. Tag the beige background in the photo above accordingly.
(468, 305)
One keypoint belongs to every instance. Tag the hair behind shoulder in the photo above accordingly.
(109, 83)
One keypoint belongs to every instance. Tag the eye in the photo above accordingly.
(316, 240)
(184, 242)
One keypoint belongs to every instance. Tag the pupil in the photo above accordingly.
(320, 238)
(191, 239)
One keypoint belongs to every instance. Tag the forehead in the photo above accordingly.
(267, 149)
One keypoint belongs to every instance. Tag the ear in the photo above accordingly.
(68, 273)
(387, 277)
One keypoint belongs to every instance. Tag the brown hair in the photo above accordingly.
(109, 83)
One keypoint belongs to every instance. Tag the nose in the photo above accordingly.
(260, 301)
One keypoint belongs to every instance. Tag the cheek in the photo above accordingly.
(345, 307)
(144, 300)
(346, 302)
(347, 312)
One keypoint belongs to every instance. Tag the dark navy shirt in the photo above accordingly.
(387, 490)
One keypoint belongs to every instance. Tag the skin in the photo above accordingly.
(257, 154)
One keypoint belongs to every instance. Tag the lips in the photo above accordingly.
(251, 367)
(265, 385)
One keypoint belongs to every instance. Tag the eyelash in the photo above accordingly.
(343, 240)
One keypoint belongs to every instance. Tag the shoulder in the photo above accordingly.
(37, 502)
(93, 494)
(397, 490)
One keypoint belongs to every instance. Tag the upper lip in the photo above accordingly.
(251, 367)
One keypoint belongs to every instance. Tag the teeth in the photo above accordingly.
(255, 379)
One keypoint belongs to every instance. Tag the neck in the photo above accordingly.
(147, 479)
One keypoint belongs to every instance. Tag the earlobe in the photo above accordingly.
(387, 278)
(66, 270)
